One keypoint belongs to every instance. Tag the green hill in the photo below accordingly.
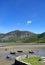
(22, 36)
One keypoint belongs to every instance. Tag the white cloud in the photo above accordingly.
(29, 22)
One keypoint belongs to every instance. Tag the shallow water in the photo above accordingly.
(40, 51)
(37, 51)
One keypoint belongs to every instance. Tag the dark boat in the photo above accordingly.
(13, 53)
(31, 51)
(20, 51)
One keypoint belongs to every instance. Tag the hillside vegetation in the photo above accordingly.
(22, 36)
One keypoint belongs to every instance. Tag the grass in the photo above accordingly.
(33, 60)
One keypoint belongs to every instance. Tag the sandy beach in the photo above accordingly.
(4, 61)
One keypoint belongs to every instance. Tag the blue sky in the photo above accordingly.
(22, 15)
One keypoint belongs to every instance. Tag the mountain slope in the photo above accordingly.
(17, 33)
(22, 36)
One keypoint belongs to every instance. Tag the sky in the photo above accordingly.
(28, 15)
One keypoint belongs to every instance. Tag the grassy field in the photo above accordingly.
(33, 60)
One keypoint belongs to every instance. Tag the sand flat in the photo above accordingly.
(4, 61)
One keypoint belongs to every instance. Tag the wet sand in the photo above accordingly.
(4, 61)
(24, 47)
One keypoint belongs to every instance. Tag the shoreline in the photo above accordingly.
(24, 46)
(15, 48)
